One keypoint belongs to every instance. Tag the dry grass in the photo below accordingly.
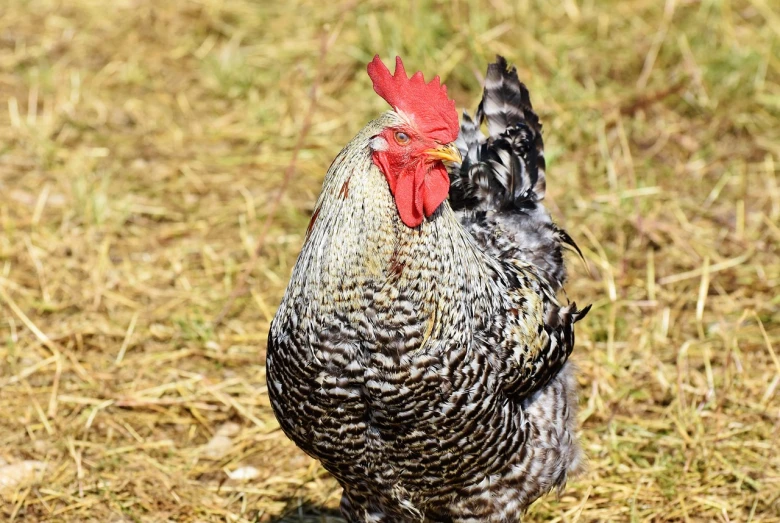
(141, 145)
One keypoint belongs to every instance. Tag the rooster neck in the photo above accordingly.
(360, 259)
(367, 255)
(373, 283)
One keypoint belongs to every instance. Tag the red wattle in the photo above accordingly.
(437, 186)
(419, 193)
(408, 199)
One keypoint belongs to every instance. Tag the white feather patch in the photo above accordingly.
(377, 143)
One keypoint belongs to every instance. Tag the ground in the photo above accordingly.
(158, 165)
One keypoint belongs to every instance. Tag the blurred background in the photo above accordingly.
(159, 161)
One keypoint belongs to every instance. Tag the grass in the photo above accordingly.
(142, 146)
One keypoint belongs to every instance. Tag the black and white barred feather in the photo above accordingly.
(504, 170)
(498, 189)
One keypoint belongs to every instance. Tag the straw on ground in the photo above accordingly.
(142, 144)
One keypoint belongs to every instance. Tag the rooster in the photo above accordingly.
(420, 352)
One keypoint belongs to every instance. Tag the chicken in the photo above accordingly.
(420, 352)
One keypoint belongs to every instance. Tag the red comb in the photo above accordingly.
(433, 112)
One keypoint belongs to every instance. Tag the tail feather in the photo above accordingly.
(506, 170)
(506, 101)
(470, 136)
(567, 241)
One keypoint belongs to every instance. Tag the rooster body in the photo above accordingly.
(425, 365)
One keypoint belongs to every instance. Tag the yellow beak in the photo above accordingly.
(446, 153)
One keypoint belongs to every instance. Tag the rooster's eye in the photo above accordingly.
(401, 137)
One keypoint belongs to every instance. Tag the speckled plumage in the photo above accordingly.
(498, 190)
(426, 367)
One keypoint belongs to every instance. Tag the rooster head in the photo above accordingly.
(411, 153)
